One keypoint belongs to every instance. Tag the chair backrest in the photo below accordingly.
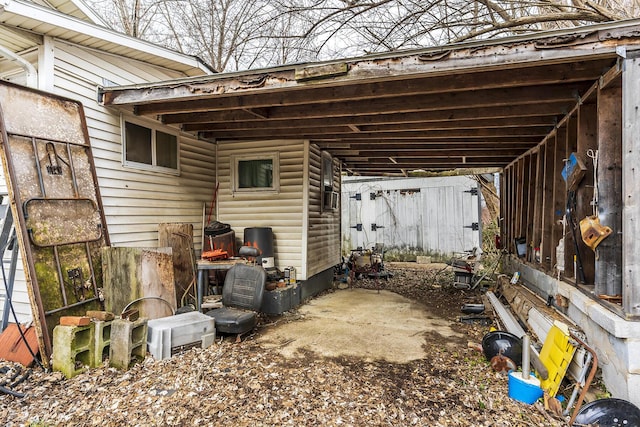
(244, 287)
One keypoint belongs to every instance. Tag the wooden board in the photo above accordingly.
(179, 237)
(134, 273)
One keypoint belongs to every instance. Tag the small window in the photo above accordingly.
(146, 147)
(255, 173)
(329, 196)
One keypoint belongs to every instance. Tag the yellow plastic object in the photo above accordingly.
(593, 232)
(556, 354)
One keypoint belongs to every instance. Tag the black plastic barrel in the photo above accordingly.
(261, 238)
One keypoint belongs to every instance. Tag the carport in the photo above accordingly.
(520, 105)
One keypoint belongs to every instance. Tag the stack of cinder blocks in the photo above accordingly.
(83, 342)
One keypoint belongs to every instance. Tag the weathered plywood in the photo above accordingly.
(179, 237)
(134, 273)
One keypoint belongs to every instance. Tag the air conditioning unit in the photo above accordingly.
(331, 200)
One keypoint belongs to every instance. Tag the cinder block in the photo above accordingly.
(102, 342)
(128, 342)
(73, 349)
(421, 259)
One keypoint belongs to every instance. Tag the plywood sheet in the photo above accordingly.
(132, 274)
(179, 237)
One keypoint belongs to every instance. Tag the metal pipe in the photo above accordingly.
(526, 357)
(592, 374)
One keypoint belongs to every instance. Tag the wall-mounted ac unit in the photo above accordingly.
(330, 201)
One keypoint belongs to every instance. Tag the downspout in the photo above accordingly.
(29, 69)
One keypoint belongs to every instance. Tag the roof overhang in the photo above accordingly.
(467, 105)
(31, 18)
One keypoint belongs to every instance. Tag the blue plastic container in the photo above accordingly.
(526, 391)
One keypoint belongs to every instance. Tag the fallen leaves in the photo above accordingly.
(248, 385)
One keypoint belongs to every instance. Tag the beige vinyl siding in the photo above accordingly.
(323, 240)
(282, 211)
(135, 201)
(20, 297)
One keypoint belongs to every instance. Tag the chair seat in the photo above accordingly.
(231, 320)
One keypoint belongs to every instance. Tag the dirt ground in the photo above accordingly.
(254, 383)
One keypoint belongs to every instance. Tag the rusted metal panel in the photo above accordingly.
(55, 200)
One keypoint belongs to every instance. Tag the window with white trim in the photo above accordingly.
(329, 195)
(255, 172)
(145, 146)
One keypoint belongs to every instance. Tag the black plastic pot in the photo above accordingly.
(472, 308)
(608, 413)
(504, 343)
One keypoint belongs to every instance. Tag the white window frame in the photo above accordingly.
(154, 127)
(334, 201)
(235, 179)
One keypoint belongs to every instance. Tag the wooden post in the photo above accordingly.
(559, 193)
(179, 237)
(608, 274)
(630, 188)
(587, 140)
(537, 202)
(548, 217)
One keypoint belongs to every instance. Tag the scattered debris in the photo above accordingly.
(246, 384)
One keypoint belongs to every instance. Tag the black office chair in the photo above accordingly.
(241, 299)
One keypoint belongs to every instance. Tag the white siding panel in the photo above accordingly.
(135, 201)
(282, 211)
(323, 241)
(20, 297)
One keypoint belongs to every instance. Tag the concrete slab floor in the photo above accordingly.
(361, 323)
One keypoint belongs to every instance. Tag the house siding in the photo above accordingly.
(135, 201)
(323, 239)
(281, 210)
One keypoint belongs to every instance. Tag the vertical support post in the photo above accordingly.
(630, 189)
(538, 200)
(587, 140)
(548, 217)
(559, 194)
(608, 274)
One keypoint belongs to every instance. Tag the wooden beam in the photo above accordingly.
(335, 133)
(608, 274)
(426, 153)
(284, 89)
(337, 106)
(223, 119)
(630, 190)
(587, 139)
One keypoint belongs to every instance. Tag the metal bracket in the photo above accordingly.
(474, 226)
(374, 227)
(473, 191)
(358, 227)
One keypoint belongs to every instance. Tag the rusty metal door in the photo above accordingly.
(54, 195)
